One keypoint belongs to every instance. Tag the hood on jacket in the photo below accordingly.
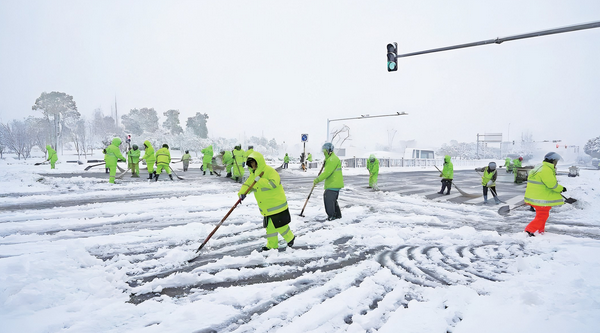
(447, 159)
(372, 158)
(147, 144)
(260, 161)
(48, 147)
(116, 142)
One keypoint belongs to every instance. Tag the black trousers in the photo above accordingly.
(492, 189)
(446, 183)
(331, 205)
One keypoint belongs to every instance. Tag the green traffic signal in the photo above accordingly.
(392, 53)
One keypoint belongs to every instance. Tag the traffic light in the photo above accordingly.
(392, 53)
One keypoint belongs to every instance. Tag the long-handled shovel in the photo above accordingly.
(40, 163)
(226, 215)
(311, 191)
(94, 165)
(119, 176)
(569, 200)
(173, 171)
(459, 190)
(504, 210)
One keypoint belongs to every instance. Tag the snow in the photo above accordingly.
(80, 255)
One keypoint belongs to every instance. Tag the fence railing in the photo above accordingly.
(360, 162)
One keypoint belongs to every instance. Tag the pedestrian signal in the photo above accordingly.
(392, 53)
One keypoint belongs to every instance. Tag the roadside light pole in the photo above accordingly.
(364, 116)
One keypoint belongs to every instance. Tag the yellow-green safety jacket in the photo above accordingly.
(268, 190)
(373, 167)
(149, 153)
(487, 176)
(238, 156)
(163, 157)
(517, 163)
(332, 173)
(208, 155)
(448, 170)
(227, 158)
(52, 157)
(247, 153)
(113, 153)
(134, 156)
(542, 187)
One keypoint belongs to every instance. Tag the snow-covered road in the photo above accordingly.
(79, 255)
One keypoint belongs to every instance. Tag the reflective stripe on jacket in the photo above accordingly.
(268, 190)
(542, 187)
(163, 156)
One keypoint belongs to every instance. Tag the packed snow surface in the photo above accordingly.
(80, 255)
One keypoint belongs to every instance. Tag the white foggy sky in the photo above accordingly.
(282, 68)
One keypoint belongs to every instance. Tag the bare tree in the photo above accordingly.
(40, 132)
(79, 138)
(343, 133)
(16, 136)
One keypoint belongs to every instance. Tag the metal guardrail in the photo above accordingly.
(360, 162)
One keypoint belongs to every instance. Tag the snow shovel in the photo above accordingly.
(569, 200)
(119, 176)
(504, 210)
(463, 193)
(173, 171)
(40, 163)
(227, 215)
(94, 165)
(311, 191)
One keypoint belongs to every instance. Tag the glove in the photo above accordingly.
(242, 197)
(316, 181)
(564, 189)
(489, 183)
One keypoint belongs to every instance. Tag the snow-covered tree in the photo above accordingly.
(41, 132)
(141, 120)
(457, 149)
(17, 138)
(79, 137)
(592, 147)
(101, 128)
(59, 109)
(197, 125)
(171, 124)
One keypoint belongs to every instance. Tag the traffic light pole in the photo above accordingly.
(500, 40)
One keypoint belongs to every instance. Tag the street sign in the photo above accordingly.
(304, 137)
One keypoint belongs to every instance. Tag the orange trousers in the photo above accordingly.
(539, 222)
